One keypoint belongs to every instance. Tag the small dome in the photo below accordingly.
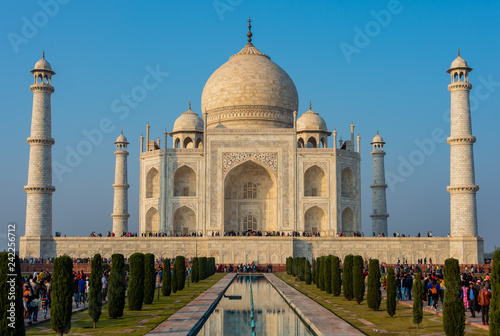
(189, 122)
(378, 139)
(121, 138)
(311, 121)
(43, 64)
(459, 62)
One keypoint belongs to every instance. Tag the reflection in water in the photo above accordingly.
(272, 315)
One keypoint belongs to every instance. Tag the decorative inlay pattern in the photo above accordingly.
(177, 164)
(323, 165)
(323, 206)
(176, 205)
(230, 159)
(214, 176)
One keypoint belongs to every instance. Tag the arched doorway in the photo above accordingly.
(348, 222)
(152, 221)
(314, 220)
(249, 199)
(184, 182)
(315, 182)
(184, 221)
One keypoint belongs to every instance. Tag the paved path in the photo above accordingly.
(42, 320)
(318, 318)
(475, 321)
(193, 314)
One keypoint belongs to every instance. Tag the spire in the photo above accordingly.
(249, 34)
(458, 52)
(122, 132)
(189, 104)
(43, 54)
(310, 104)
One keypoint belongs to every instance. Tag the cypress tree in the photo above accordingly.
(149, 278)
(294, 266)
(174, 279)
(288, 266)
(11, 324)
(136, 282)
(213, 267)
(391, 292)
(418, 312)
(95, 291)
(328, 274)
(195, 272)
(347, 277)
(321, 275)
(203, 268)
(117, 286)
(314, 271)
(374, 294)
(358, 279)
(495, 295)
(453, 306)
(308, 276)
(302, 268)
(166, 286)
(62, 295)
(336, 279)
(180, 271)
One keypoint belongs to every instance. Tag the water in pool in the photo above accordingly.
(272, 315)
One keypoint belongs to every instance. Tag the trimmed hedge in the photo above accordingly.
(95, 290)
(62, 295)
(495, 295)
(358, 279)
(195, 271)
(418, 312)
(149, 278)
(453, 306)
(166, 285)
(374, 295)
(328, 274)
(391, 292)
(135, 291)
(347, 277)
(117, 286)
(336, 279)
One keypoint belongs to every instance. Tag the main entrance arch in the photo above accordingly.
(250, 199)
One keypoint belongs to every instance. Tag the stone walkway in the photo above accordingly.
(474, 321)
(318, 318)
(193, 315)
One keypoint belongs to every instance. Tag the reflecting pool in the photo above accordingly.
(271, 314)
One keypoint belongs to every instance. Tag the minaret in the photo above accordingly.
(462, 188)
(379, 202)
(120, 205)
(39, 187)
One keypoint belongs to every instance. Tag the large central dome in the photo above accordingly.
(250, 91)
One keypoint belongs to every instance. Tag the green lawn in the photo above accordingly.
(133, 322)
(350, 311)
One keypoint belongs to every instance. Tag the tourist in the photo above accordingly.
(471, 294)
(484, 302)
(27, 302)
(434, 290)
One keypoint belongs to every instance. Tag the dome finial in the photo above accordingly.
(458, 52)
(249, 34)
(122, 132)
(377, 132)
(43, 54)
(189, 104)
(310, 104)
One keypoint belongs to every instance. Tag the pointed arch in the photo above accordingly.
(312, 143)
(348, 183)
(300, 143)
(315, 182)
(152, 183)
(188, 143)
(152, 221)
(184, 181)
(315, 220)
(348, 221)
(177, 143)
(199, 143)
(184, 221)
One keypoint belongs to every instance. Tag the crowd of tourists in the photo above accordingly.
(37, 290)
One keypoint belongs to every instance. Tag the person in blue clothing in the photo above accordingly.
(82, 284)
(434, 290)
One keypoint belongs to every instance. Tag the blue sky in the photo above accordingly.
(380, 64)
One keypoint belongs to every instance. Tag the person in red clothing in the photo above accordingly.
(484, 301)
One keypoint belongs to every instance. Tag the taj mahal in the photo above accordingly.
(251, 162)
